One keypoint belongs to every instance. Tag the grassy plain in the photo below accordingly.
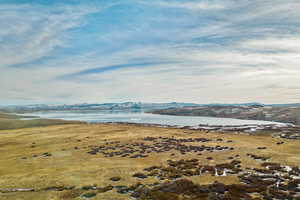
(12, 121)
(22, 164)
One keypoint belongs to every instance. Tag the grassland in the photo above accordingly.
(12, 121)
(23, 164)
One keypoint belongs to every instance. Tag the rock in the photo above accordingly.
(88, 187)
(105, 189)
(218, 187)
(140, 175)
(89, 195)
(178, 186)
(122, 189)
(141, 191)
(279, 143)
(116, 178)
(261, 148)
(47, 154)
(58, 188)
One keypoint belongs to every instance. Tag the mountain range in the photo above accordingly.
(127, 106)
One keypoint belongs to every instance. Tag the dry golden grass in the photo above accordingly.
(70, 167)
(12, 121)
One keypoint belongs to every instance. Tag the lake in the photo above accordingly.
(144, 118)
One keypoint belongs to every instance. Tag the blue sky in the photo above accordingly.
(202, 51)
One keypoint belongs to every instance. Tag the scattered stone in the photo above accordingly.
(122, 189)
(271, 182)
(116, 178)
(279, 143)
(47, 154)
(154, 145)
(261, 148)
(140, 175)
(89, 195)
(89, 187)
(105, 189)
(17, 190)
(58, 188)
(256, 157)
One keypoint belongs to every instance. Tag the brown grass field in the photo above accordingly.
(12, 121)
(75, 167)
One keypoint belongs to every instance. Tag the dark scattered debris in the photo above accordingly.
(156, 145)
(279, 143)
(272, 181)
(140, 175)
(116, 178)
(47, 154)
(89, 195)
(261, 148)
(257, 157)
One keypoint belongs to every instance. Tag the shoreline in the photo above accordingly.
(288, 114)
(288, 131)
(276, 129)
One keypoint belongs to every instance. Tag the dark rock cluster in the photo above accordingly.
(47, 154)
(155, 145)
(181, 168)
(291, 135)
(272, 181)
(115, 178)
(257, 157)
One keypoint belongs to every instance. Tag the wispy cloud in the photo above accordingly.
(104, 69)
(192, 5)
(29, 32)
(195, 50)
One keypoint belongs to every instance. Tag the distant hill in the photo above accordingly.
(279, 113)
(128, 106)
(104, 106)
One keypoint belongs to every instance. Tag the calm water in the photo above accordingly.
(140, 117)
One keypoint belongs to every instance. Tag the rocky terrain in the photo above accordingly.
(287, 131)
(122, 161)
(285, 114)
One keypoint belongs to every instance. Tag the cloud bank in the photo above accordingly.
(195, 51)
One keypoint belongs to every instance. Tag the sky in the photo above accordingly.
(201, 51)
